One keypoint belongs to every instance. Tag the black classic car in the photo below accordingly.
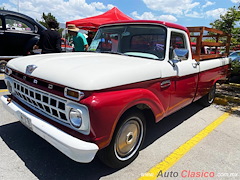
(18, 33)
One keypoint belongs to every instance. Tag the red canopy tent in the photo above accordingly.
(92, 23)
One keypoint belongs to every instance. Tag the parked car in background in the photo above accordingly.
(236, 48)
(18, 33)
(235, 56)
(66, 47)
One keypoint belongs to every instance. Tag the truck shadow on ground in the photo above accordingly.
(2, 85)
(46, 162)
(155, 131)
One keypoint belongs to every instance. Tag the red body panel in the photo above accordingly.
(184, 93)
(106, 108)
(208, 78)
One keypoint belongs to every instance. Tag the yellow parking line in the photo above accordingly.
(182, 150)
(1, 75)
(4, 90)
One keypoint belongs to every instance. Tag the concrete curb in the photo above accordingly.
(229, 98)
(220, 101)
(234, 85)
(224, 100)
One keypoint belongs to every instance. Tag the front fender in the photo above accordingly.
(106, 108)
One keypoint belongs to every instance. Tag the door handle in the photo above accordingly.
(165, 84)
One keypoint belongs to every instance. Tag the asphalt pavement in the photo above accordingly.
(216, 154)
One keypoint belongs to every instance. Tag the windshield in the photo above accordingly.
(133, 40)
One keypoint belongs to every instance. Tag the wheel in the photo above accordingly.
(3, 65)
(126, 141)
(208, 99)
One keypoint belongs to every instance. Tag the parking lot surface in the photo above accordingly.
(26, 156)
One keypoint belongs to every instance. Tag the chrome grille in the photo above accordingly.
(46, 103)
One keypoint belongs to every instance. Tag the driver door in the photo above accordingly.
(187, 70)
(18, 33)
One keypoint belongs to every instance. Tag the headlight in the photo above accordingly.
(78, 117)
(75, 117)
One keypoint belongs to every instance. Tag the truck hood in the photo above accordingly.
(89, 71)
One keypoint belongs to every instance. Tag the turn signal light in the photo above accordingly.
(73, 94)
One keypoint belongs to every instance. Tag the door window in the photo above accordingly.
(177, 41)
(17, 24)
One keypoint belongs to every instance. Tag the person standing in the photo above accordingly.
(50, 39)
(90, 38)
(79, 40)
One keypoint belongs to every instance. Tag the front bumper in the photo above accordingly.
(72, 147)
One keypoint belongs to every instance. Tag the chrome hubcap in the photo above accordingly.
(128, 139)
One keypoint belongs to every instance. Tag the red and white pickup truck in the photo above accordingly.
(98, 102)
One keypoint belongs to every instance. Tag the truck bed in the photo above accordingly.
(202, 37)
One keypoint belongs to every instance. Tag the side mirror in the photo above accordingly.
(178, 55)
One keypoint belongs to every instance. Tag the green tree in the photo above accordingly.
(46, 18)
(228, 23)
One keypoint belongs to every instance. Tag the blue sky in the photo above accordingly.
(184, 12)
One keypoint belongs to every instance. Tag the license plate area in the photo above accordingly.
(25, 121)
